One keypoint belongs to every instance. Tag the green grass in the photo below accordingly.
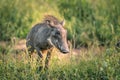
(88, 65)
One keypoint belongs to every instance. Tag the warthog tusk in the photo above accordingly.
(50, 42)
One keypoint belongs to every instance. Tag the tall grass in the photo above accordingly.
(87, 65)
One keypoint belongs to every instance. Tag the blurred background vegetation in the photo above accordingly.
(88, 22)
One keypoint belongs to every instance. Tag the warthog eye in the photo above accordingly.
(57, 33)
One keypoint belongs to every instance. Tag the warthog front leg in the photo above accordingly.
(39, 59)
(38, 51)
(47, 59)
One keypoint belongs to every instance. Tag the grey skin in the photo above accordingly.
(44, 37)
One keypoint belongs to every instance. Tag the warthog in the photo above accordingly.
(46, 35)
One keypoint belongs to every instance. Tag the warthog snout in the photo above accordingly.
(59, 38)
(65, 51)
(64, 48)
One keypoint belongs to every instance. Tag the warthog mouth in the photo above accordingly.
(66, 51)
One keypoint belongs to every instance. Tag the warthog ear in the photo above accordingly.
(62, 22)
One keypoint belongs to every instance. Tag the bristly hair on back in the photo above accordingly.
(49, 19)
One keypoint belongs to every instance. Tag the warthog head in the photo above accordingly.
(58, 36)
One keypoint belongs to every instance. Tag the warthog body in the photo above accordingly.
(46, 35)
